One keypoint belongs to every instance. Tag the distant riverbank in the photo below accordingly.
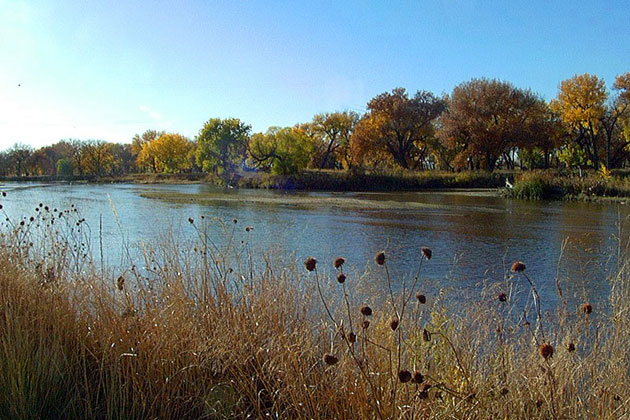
(529, 185)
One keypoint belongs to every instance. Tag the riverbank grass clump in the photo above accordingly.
(202, 330)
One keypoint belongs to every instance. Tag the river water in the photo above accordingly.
(475, 236)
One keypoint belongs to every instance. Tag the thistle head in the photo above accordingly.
(518, 267)
(341, 278)
(427, 252)
(546, 350)
(330, 359)
(310, 263)
(380, 258)
(366, 310)
(404, 376)
(339, 261)
(421, 298)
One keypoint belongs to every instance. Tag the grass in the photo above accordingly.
(538, 185)
(209, 331)
(329, 180)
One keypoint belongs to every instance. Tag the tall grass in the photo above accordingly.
(203, 330)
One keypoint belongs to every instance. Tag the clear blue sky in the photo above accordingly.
(107, 70)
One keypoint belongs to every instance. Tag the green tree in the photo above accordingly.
(281, 150)
(222, 144)
(64, 167)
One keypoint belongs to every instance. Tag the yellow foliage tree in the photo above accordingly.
(581, 103)
(169, 153)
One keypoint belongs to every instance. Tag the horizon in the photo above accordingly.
(94, 71)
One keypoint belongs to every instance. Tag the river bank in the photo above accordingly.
(529, 185)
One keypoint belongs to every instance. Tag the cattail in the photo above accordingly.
(546, 351)
(310, 263)
(518, 267)
(587, 308)
(352, 337)
(571, 347)
(366, 310)
(427, 252)
(330, 360)
(404, 376)
(366, 324)
(421, 298)
(502, 297)
(417, 378)
(426, 335)
(120, 282)
(341, 278)
(191, 220)
(339, 262)
(393, 324)
(380, 258)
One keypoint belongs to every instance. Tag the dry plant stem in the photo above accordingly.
(537, 304)
(459, 362)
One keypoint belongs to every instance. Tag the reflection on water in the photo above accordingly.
(474, 236)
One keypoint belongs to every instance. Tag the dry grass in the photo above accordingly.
(203, 331)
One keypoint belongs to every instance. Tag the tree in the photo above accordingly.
(64, 167)
(399, 126)
(615, 120)
(98, 157)
(581, 103)
(485, 119)
(19, 158)
(222, 144)
(335, 130)
(137, 143)
(171, 152)
(281, 150)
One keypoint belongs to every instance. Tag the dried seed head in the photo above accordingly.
(518, 267)
(504, 391)
(235, 221)
(380, 258)
(426, 335)
(191, 220)
(366, 324)
(417, 378)
(587, 308)
(421, 298)
(120, 283)
(427, 252)
(502, 297)
(248, 228)
(393, 324)
(341, 277)
(404, 376)
(539, 403)
(366, 310)
(330, 360)
(339, 262)
(310, 263)
(546, 350)
(352, 337)
(571, 347)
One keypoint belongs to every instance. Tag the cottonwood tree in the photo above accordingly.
(581, 103)
(280, 150)
(399, 126)
(484, 119)
(335, 130)
(222, 144)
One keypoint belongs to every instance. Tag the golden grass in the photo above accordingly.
(221, 332)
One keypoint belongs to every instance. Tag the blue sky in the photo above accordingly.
(107, 70)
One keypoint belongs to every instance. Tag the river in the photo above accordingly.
(474, 235)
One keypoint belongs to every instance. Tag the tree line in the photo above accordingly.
(482, 124)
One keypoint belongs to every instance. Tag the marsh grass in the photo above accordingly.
(202, 330)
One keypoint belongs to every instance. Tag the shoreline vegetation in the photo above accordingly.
(206, 331)
(532, 185)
